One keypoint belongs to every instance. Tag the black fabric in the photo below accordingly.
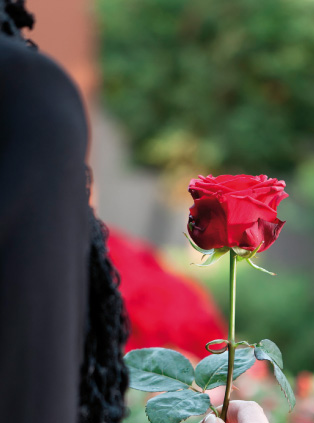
(44, 238)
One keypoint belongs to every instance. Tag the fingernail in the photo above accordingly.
(211, 418)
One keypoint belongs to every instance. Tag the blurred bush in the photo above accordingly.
(279, 308)
(233, 78)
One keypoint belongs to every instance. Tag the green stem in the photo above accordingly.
(231, 336)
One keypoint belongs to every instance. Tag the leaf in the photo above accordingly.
(159, 369)
(285, 387)
(259, 268)
(245, 343)
(212, 371)
(197, 248)
(218, 253)
(268, 350)
(173, 407)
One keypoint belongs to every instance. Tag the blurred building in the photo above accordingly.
(64, 30)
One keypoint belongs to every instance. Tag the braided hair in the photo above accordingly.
(103, 375)
(14, 17)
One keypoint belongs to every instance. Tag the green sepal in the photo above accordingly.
(268, 350)
(243, 254)
(197, 248)
(212, 371)
(158, 370)
(215, 256)
(260, 268)
(173, 407)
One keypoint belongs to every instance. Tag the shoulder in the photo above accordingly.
(19, 63)
(36, 89)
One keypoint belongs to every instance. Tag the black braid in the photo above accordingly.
(14, 17)
(20, 16)
(103, 375)
(104, 378)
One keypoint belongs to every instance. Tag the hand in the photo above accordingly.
(240, 412)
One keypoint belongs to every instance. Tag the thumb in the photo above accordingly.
(211, 418)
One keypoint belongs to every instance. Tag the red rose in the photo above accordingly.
(239, 210)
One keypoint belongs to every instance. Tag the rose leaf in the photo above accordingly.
(267, 350)
(158, 370)
(173, 407)
(212, 371)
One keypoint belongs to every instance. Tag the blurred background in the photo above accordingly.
(177, 88)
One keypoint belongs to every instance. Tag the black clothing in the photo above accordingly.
(43, 238)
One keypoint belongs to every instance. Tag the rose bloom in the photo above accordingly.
(235, 210)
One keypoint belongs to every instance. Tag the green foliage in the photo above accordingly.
(212, 371)
(159, 369)
(226, 85)
(173, 407)
(267, 350)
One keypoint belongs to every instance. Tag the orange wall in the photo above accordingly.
(64, 30)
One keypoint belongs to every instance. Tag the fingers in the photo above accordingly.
(245, 412)
(240, 412)
(211, 418)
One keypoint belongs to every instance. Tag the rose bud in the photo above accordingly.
(235, 211)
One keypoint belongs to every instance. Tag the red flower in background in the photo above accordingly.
(165, 309)
(235, 210)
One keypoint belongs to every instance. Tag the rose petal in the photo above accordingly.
(207, 224)
(260, 231)
(231, 178)
(269, 231)
(270, 196)
(208, 188)
(244, 210)
(241, 183)
(251, 237)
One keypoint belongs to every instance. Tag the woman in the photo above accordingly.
(53, 258)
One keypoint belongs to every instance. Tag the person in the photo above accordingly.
(63, 325)
(240, 412)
